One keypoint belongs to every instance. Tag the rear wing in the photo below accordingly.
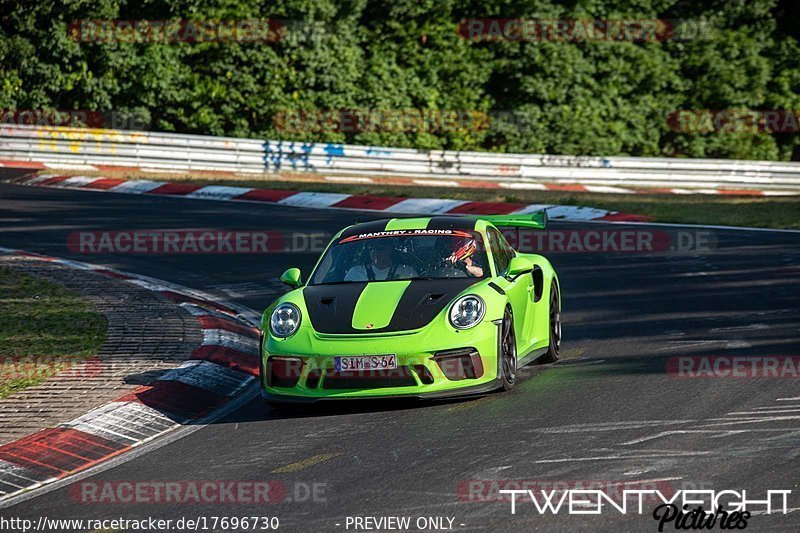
(536, 220)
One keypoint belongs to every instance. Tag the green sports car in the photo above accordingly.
(423, 307)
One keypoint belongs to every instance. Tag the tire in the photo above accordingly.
(507, 352)
(554, 349)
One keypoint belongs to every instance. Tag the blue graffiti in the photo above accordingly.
(378, 152)
(276, 154)
(333, 150)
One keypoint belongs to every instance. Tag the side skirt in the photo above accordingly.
(531, 356)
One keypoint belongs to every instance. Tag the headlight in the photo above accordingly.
(467, 311)
(285, 320)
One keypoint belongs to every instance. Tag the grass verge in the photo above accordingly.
(44, 328)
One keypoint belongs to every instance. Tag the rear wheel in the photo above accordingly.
(507, 352)
(554, 348)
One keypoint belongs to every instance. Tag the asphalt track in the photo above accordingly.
(608, 412)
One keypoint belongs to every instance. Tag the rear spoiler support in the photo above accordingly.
(536, 220)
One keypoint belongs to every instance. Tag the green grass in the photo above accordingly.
(43, 328)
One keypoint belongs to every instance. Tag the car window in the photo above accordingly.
(501, 251)
(507, 248)
(403, 255)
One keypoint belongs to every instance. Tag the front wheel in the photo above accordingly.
(554, 348)
(507, 352)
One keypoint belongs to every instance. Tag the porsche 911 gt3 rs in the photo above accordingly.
(423, 307)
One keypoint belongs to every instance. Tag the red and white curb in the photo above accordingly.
(436, 182)
(221, 368)
(388, 204)
(546, 186)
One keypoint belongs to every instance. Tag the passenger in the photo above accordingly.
(382, 266)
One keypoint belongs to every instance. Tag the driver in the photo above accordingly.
(463, 257)
(381, 266)
(458, 255)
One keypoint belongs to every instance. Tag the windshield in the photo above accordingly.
(403, 255)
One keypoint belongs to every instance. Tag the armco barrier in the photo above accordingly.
(173, 152)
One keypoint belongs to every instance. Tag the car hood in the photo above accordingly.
(380, 306)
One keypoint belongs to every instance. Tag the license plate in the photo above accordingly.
(366, 362)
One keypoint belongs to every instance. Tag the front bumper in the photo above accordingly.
(454, 364)
(459, 392)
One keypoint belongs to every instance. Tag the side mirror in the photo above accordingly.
(292, 278)
(519, 266)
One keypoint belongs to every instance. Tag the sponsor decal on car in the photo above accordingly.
(406, 233)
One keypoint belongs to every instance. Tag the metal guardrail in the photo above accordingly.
(176, 152)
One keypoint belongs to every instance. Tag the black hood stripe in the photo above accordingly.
(424, 299)
(331, 307)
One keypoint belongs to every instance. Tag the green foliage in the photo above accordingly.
(587, 97)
